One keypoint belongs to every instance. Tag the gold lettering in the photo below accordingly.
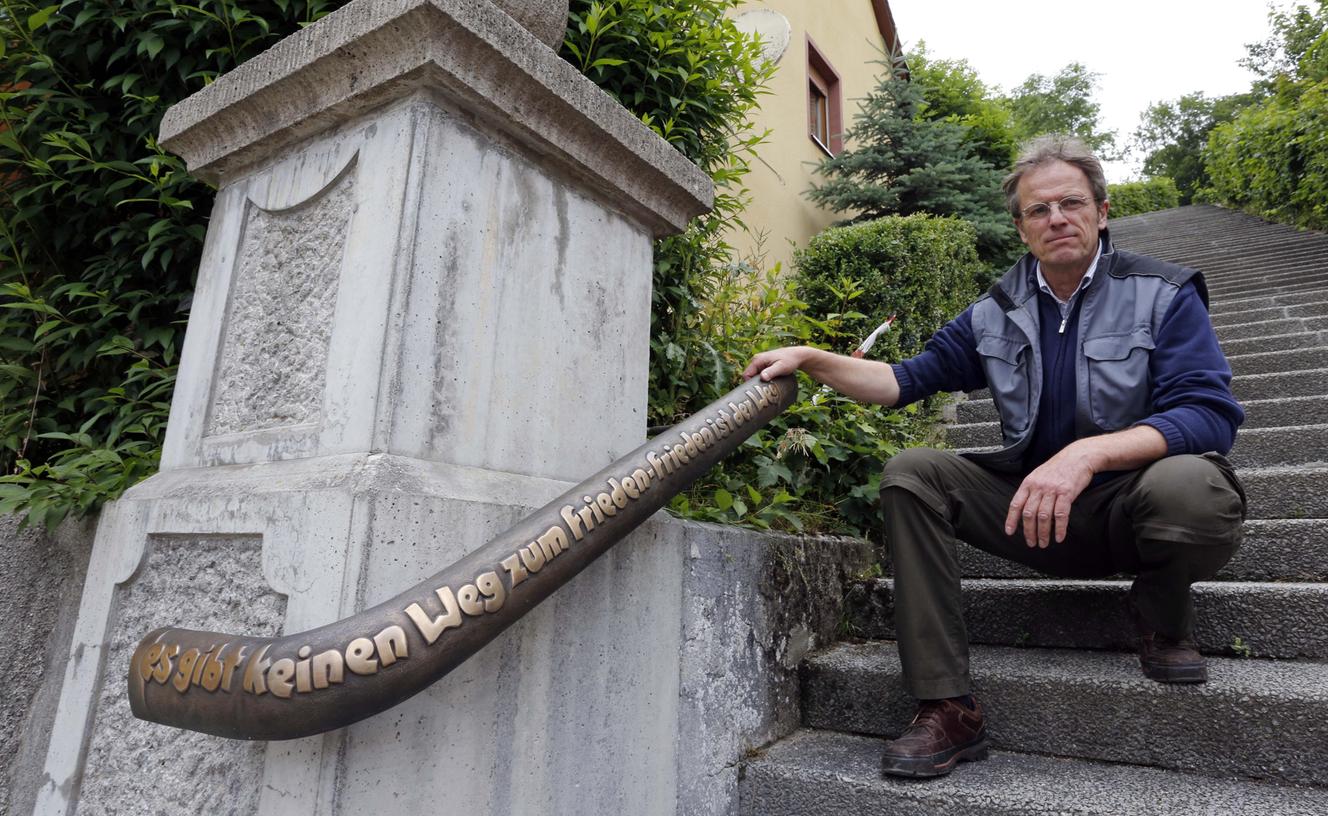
(555, 540)
(391, 643)
(200, 663)
(147, 662)
(329, 668)
(739, 413)
(587, 518)
(255, 670)
(618, 492)
(212, 670)
(629, 487)
(680, 453)
(642, 480)
(515, 572)
(599, 516)
(546, 547)
(360, 652)
(279, 677)
(759, 398)
(431, 628)
(162, 672)
(182, 676)
(606, 505)
(228, 666)
(688, 444)
(469, 599)
(304, 682)
(707, 437)
(491, 587)
(573, 523)
(658, 465)
(724, 423)
(532, 557)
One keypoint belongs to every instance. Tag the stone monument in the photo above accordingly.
(422, 310)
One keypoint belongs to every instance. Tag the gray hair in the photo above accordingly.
(1056, 147)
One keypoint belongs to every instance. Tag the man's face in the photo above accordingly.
(1061, 240)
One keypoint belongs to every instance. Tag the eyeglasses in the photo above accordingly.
(1068, 205)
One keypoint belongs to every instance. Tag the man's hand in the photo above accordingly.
(1042, 502)
(777, 362)
(862, 380)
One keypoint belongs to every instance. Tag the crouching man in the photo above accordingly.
(1116, 409)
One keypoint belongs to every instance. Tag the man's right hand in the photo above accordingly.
(862, 380)
(777, 362)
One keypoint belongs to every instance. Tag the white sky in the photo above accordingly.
(1144, 50)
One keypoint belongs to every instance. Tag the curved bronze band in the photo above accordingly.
(311, 682)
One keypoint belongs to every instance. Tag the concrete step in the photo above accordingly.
(1300, 445)
(825, 773)
(1274, 550)
(1304, 383)
(973, 435)
(1255, 718)
(1269, 362)
(1267, 307)
(1285, 412)
(1286, 492)
(1273, 273)
(1265, 618)
(1266, 280)
(1259, 413)
(1262, 328)
(1276, 342)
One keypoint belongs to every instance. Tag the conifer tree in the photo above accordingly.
(902, 163)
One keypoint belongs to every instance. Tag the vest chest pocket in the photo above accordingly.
(1119, 391)
(1005, 362)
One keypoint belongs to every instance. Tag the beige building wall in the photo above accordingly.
(848, 33)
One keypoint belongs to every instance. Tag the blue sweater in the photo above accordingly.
(1192, 404)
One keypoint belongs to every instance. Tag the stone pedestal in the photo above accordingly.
(423, 309)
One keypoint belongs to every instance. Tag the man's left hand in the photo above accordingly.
(1043, 500)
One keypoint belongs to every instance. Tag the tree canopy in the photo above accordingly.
(1062, 103)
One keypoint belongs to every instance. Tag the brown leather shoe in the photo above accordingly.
(1171, 661)
(943, 734)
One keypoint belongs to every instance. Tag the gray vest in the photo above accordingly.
(1119, 315)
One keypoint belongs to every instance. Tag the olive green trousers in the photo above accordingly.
(1172, 523)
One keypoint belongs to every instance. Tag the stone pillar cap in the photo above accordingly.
(546, 19)
(478, 59)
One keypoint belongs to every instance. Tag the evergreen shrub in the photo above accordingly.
(922, 268)
(1148, 195)
(1272, 159)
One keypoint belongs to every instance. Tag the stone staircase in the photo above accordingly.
(1075, 726)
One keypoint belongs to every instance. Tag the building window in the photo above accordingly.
(825, 121)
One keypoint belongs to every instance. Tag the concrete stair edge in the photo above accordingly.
(824, 773)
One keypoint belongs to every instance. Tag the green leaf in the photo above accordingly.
(39, 19)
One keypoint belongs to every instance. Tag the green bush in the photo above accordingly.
(922, 268)
(817, 466)
(1272, 160)
(1148, 195)
(100, 231)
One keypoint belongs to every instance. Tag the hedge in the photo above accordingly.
(923, 268)
(1149, 195)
